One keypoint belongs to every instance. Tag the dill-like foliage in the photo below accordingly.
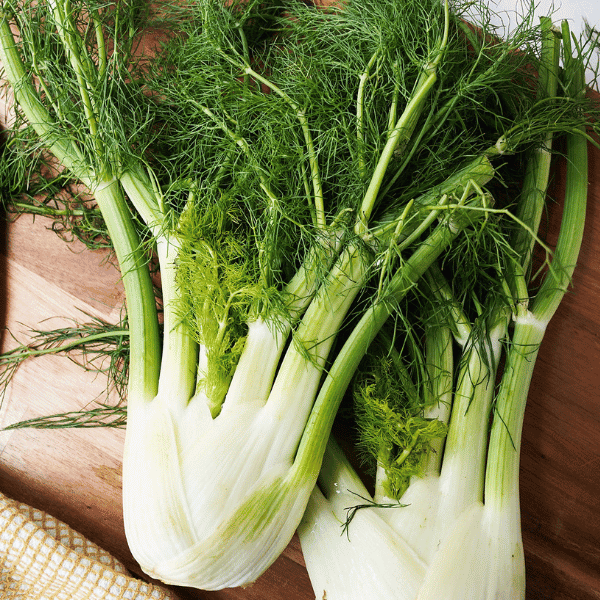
(393, 432)
(98, 347)
(260, 125)
(31, 185)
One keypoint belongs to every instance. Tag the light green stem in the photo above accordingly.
(397, 139)
(572, 224)
(141, 306)
(310, 146)
(465, 449)
(402, 131)
(393, 113)
(502, 472)
(502, 478)
(60, 144)
(141, 193)
(144, 360)
(438, 395)
(262, 350)
(305, 359)
(456, 318)
(533, 195)
(180, 350)
(62, 14)
(24, 352)
(360, 121)
(316, 433)
(101, 43)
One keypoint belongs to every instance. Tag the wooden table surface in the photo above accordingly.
(76, 475)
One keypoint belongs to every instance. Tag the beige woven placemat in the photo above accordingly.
(41, 558)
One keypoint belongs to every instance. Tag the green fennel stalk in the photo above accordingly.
(141, 306)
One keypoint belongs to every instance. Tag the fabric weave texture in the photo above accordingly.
(42, 558)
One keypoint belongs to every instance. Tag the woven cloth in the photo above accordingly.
(41, 558)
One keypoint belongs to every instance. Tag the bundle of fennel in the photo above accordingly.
(444, 517)
(297, 171)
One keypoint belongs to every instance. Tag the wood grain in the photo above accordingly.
(76, 475)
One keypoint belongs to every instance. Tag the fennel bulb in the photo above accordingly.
(481, 557)
(486, 539)
(222, 495)
(343, 567)
(228, 504)
(435, 500)
(473, 547)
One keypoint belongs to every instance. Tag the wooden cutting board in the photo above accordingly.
(76, 475)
